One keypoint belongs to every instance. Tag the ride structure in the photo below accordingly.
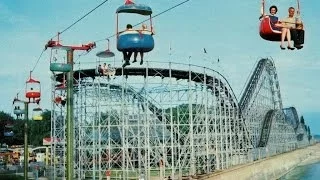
(69, 95)
(164, 120)
(21, 107)
(178, 120)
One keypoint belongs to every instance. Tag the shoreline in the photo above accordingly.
(273, 167)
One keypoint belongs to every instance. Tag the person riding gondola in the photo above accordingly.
(127, 54)
(277, 26)
(144, 30)
(295, 27)
(287, 29)
(130, 40)
(274, 20)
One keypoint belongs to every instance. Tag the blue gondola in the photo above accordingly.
(135, 40)
(8, 132)
(107, 53)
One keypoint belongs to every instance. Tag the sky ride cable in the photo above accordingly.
(263, 7)
(67, 28)
(177, 5)
(80, 18)
(34, 67)
(104, 39)
(298, 8)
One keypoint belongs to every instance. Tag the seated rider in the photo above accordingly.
(143, 30)
(274, 20)
(100, 71)
(295, 26)
(127, 54)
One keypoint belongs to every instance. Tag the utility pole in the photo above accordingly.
(70, 116)
(70, 126)
(26, 149)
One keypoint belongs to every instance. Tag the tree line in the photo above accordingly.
(37, 130)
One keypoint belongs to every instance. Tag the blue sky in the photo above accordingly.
(228, 29)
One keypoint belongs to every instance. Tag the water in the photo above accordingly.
(307, 172)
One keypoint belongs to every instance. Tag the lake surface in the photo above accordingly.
(307, 172)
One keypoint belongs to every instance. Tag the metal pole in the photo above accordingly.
(70, 116)
(26, 150)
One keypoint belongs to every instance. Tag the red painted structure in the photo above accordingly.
(266, 31)
(33, 89)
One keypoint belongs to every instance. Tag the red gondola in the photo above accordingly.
(266, 30)
(33, 89)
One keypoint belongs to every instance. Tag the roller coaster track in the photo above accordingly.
(137, 95)
(291, 115)
(251, 91)
(219, 88)
(252, 84)
(249, 96)
(222, 90)
(266, 128)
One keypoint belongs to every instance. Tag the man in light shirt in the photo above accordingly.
(295, 25)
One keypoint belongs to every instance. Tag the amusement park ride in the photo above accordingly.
(8, 132)
(33, 95)
(68, 68)
(134, 41)
(107, 53)
(128, 42)
(21, 107)
(268, 29)
(105, 70)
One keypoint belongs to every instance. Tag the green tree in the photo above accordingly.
(309, 133)
(5, 119)
(18, 130)
(302, 120)
(37, 130)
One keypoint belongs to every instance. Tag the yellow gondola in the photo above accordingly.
(37, 114)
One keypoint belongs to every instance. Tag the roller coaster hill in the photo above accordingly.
(169, 119)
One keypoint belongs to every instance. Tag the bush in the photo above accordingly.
(10, 177)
